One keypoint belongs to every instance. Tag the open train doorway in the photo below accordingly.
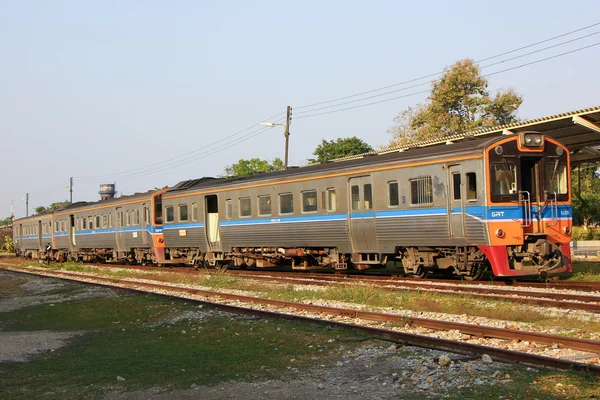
(211, 205)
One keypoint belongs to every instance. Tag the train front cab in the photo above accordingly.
(529, 213)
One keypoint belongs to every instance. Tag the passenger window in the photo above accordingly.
(84, 224)
(90, 222)
(393, 197)
(471, 186)
(286, 203)
(136, 217)
(331, 200)
(368, 195)
(355, 195)
(128, 218)
(456, 185)
(228, 209)
(170, 214)
(264, 205)
(309, 201)
(97, 221)
(183, 212)
(194, 211)
(110, 222)
(245, 207)
(421, 191)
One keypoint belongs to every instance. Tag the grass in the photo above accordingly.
(586, 271)
(177, 355)
(90, 314)
(536, 384)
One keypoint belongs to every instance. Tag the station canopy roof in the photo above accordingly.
(578, 130)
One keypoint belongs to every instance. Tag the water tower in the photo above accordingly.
(107, 191)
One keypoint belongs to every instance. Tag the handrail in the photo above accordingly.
(526, 200)
(553, 210)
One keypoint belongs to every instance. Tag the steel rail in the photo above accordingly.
(549, 299)
(413, 339)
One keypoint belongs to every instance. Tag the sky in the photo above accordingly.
(145, 94)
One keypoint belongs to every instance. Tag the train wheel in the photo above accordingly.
(477, 274)
(421, 273)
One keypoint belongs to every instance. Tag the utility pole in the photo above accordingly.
(27, 204)
(71, 190)
(286, 133)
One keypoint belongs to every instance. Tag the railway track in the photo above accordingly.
(542, 294)
(364, 321)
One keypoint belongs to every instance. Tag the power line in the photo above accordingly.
(187, 160)
(441, 72)
(426, 91)
(117, 175)
(427, 83)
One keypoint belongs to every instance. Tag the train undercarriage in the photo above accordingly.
(537, 256)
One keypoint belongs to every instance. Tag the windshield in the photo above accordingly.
(504, 179)
(556, 177)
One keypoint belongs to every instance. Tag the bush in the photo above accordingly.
(580, 233)
(9, 245)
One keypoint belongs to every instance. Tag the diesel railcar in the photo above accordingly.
(124, 229)
(502, 204)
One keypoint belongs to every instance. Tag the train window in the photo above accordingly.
(355, 194)
(331, 200)
(368, 196)
(136, 217)
(169, 214)
(456, 185)
(393, 197)
(97, 222)
(504, 179)
(195, 214)
(110, 220)
(264, 205)
(128, 218)
(471, 186)
(309, 201)
(83, 224)
(104, 220)
(286, 203)
(228, 209)
(56, 226)
(556, 176)
(183, 212)
(245, 207)
(146, 215)
(90, 222)
(421, 191)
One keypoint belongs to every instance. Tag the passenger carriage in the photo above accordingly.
(461, 208)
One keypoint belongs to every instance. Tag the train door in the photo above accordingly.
(20, 229)
(40, 232)
(146, 236)
(456, 209)
(211, 220)
(119, 229)
(72, 230)
(531, 190)
(361, 214)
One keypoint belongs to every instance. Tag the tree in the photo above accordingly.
(585, 184)
(459, 102)
(253, 166)
(341, 147)
(51, 207)
(7, 221)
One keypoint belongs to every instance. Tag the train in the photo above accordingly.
(499, 204)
